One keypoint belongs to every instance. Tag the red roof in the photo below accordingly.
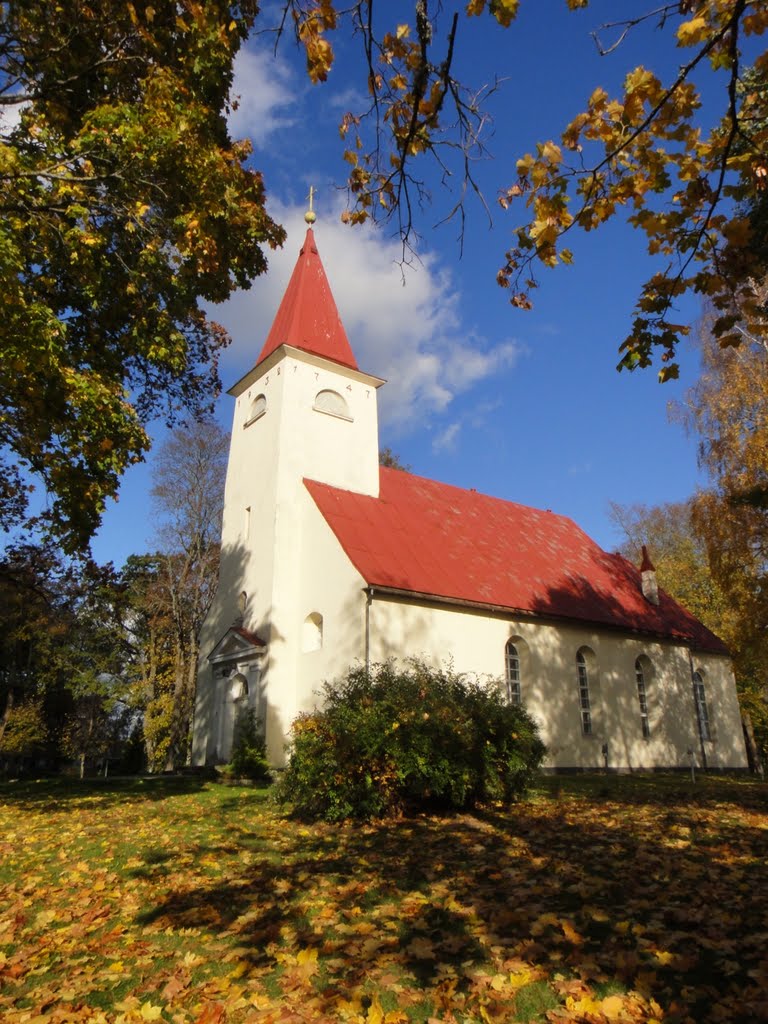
(308, 318)
(246, 634)
(428, 538)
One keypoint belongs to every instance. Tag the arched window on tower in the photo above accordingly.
(257, 409)
(332, 404)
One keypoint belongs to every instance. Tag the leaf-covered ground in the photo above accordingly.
(596, 900)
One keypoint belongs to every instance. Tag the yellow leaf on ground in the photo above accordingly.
(375, 1013)
(520, 978)
(613, 1007)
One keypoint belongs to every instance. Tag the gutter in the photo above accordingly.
(368, 603)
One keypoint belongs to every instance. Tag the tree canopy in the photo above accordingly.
(124, 203)
(188, 494)
(62, 654)
(728, 409)
(691, 176)
(711, 552)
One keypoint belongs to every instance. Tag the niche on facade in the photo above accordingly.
(238, 687)
(332, 404)
(312, 633)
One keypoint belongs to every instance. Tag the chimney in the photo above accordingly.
(648, 579)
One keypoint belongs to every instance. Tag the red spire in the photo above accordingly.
(307, 317)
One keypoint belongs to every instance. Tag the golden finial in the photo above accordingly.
(310, 216)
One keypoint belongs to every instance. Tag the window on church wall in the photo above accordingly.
(512, 673)
(702, 711)
(643, 673)
(312, 633)
(584, 696)
(257, 409)
(332, 404)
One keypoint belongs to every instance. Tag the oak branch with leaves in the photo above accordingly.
(123, 204)
(697, 194)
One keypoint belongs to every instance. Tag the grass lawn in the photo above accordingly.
(598, 899)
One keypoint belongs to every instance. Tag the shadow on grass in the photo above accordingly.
(658, 897)
(63, 793)
(658, 789)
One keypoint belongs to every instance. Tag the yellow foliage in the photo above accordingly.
(504, 11)
(693, 31)
(738, 231)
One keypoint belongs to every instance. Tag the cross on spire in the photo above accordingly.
(310, 216)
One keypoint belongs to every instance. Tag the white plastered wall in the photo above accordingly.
(332, 588)
(264, 549)
(475, 643)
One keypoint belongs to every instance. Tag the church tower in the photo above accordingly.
(305, 411)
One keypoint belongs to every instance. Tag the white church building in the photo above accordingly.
(329, 560)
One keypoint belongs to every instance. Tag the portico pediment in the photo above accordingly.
(237, 645)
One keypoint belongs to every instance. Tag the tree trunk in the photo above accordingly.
(6, 714)
(184, 686)
(753, 753)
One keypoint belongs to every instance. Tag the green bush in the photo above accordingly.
(249, 752)
(409, 738)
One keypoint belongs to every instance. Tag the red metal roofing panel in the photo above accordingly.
(425, 537)
(308, 318)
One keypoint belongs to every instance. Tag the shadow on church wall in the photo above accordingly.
(474, 641)
(616, 719)
(232, 607)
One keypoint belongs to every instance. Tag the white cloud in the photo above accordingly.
(264, 89)
(404, 323)
(10, 117)
(446, 439)
(348, 99)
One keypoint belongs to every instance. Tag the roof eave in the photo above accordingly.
(286, 351)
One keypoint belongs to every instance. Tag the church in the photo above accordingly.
(330, 560)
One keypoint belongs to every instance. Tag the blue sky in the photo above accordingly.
(526, 406)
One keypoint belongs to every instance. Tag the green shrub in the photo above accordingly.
(409, 738)
(249, 752)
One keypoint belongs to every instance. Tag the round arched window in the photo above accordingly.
(332, 403)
